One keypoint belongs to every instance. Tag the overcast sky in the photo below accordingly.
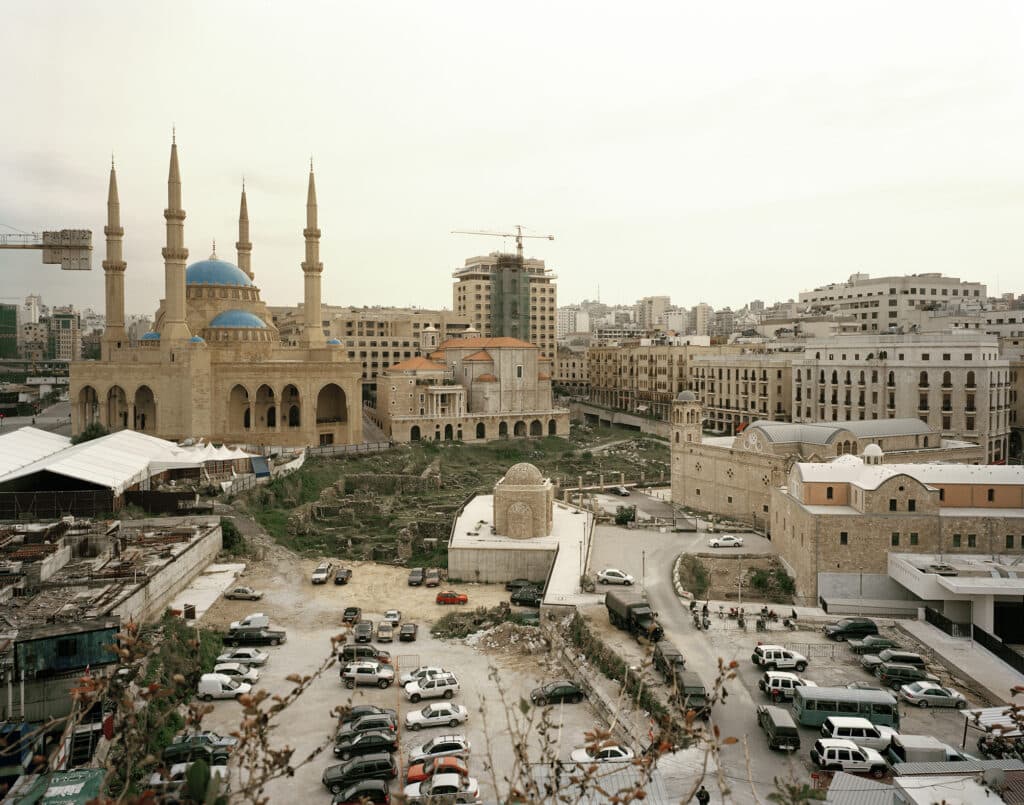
(714, 152)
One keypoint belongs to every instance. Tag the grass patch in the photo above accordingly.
(693, 576)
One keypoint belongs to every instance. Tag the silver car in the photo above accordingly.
(442, 714)
(928, 694)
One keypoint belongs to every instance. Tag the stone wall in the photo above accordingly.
(490, 564)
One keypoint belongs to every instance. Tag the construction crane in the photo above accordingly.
(518, 235)
(71, 249)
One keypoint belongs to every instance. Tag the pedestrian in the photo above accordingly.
(703, 797)
(704, 612)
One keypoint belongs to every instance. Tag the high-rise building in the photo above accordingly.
(703, 317)
(566, 320)
(32, 309)
(650, 311)
(65, 334)
(8, 331)
(508, 296)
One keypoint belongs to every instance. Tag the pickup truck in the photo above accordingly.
(255, 637)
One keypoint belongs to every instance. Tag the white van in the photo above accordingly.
(255, 620)
(219, 686)
(859, 730)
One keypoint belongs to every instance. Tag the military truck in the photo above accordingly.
(630, 611)
(691, 694)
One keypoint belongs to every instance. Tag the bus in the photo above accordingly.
(811, 706)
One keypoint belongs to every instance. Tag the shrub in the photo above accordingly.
(625, 514)
(92, 431)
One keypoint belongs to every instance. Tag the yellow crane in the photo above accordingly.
(518, 235)
(71, 249)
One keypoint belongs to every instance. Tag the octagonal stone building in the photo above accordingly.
(523, 502)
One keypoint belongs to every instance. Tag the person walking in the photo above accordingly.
(703, 797)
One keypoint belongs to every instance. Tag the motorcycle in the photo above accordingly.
(696, 619)
(707, 623)
(735, 613)
(721, 612)
(789, 624)
(742, 623)
(762, 625)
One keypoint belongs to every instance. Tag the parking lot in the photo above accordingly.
(312, 615)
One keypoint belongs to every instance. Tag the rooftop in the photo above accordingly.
(853, 470)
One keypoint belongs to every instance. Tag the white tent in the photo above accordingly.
(24, 446)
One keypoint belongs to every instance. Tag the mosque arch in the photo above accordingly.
(145, 410)
(331, 405)
(88, 407)
(117, 409)
(291, 402)
(238, 408)
(266, 407)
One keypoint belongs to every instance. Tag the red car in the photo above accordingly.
(418, 772)
(451, 597)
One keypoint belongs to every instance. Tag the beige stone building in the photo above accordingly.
(571, 370)
(523, 503)
(470, 389)
(956, 382)
(733, 476)
(505, 295)
(737, 389)
(848, 515)
(213, 367)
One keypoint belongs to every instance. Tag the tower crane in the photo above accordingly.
(518, 235)
(71, 249)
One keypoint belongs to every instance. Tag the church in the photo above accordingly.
(214, 367)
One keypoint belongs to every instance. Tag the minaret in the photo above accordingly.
(312, 268)
(113, 271)
(175, 255)
(244, 246)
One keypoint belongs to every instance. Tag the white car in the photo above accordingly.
(422, 673)
(433, 687)
(440, 746)
(237, 671)
(248, 656)
(443, 788)
(611, 575)
(725, 541)
(393, 616)
(605, 754)
(440, 714)
(255, 620)
(322, 573)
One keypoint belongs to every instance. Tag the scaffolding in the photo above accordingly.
(510, 298)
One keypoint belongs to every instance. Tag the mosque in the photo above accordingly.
(213, 366)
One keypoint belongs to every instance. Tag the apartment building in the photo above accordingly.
(571, 320)
(882, 302)
(504, 295)
(571, 370)
(955, 382)
(741, 386)
(651, 310)
(65, 334)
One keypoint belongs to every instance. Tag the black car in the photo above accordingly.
(254, 637)
(871, 644)
(375, 791)
(351, 614)
(349, 744)
(369, 722)
(850, 627)
(408, 631)
(527, 597)
(363, 631)
(342, 575)
(416, 577)
(361, 710)
(517, 584)
(379, 766)
(188, 752)
(562, 691)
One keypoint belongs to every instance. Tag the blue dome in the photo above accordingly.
(238, 318)
(197, 339)
(150, 336)
(334, 342)
(216, 272)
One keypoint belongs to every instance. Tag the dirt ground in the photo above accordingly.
(723, 570)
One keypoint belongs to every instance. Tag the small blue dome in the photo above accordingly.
(238, 318)
(151, 336)
(197, 339)
(334, 342)
(216, 272)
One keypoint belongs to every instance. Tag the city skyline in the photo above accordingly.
(626, 135)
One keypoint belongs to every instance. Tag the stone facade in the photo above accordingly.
(523, 503)
(739, 389)
(213, 366)
(571, 370)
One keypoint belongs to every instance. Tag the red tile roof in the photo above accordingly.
(485, 343)
(482, 355)
(417, 364)
(487, 378)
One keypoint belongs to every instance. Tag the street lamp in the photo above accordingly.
(643, 568)
(739, 580)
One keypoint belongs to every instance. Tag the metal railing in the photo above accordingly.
(940, 621)
(1000, 649)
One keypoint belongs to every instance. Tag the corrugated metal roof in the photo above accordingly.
(954, 767)
(848, 789)
(825, 433)
(21, 447)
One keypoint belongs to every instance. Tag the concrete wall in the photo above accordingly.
(867, 585)
(608, 416)
(498, 565)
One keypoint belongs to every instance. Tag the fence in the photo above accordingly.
(1000, 649)
(940, 621)
(348, 449)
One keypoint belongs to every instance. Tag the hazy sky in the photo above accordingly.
(715, 152)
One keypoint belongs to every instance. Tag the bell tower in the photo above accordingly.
(687, 419)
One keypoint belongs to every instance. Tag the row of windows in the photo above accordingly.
(895, 540)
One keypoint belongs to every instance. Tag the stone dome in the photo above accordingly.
(873, 450)
(686, 396)
(216, 272)
(151, 336)
(334, 342)
(238, 318)
(524, 474)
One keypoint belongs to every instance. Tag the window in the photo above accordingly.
(911, 505)
(991, 495)
(956, 541)
(942, 494)
(519, 371)
(892, 504)
(829, 492)
(67, 647)
(972, 540)
(844, 538)
(1009, 541)
(895, 538)
(913, 538)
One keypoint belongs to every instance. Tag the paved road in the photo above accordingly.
(56, 418)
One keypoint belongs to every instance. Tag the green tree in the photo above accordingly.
(91, 431)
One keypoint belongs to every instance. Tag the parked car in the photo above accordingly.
(255, 637)
(363, 632)
(248, 656)
(527, 597)
(928, 694)
(372, 791)
(725, 541)
(779, 685)
(871, 644)
(385, 632)
(408, 632)
(187, 752)
(772, 657)
(433, 687)
(607, 753)
(452, 597)
(871, 661)
(351, 614)
(369, 723)
(239, 671)
(779, 728)
(348, 745)
(322, 573)
(439, 714)
(838, 755)
(440, 746)
(850, 627)
(254, 620)
(422, 672)
(416, 577)
(859, 730)
(207, 738)
(353, 652)
(360, 710)
(621, 491)
(342, 575)
(515, 584)
(445, 764)
(864, 686)
(612, 575)
(895, 675)
(432, 578)
(378, 766)
(367, 673)
(446, 788)
(243, 594)
(557, 693)
(393, 616)
(218, 686)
